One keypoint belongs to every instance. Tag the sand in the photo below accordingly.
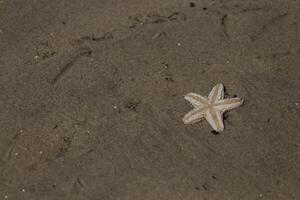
(92, 99)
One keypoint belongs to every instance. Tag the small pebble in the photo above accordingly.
(6, 196)
(179, 44)
(23, 190)
(192, 4)
(115, 107)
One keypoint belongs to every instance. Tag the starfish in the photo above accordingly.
(211, 108)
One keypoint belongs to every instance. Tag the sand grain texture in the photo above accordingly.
(91, 99)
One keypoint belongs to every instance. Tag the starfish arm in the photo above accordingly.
(215, 119)
(194, 116)
(228, 104)
(216, 93)
(196, 100)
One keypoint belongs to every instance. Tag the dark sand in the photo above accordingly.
(92, 99)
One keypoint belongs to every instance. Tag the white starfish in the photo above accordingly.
(211, 108)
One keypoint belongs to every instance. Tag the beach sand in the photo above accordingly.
(92, 99)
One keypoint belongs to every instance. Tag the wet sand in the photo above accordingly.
(92, 99)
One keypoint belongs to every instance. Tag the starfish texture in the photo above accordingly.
(211, 108)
